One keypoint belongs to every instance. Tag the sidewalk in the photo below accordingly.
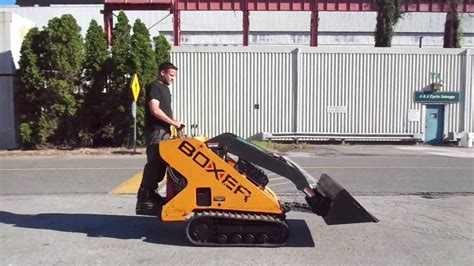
(382, 150)
(73, 152)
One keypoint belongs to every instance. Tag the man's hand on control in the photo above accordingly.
(178, 124)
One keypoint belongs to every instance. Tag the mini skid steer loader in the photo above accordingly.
(218, 186)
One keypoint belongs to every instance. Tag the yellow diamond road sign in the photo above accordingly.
(135, 87)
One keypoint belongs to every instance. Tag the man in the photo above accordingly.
(158, 118)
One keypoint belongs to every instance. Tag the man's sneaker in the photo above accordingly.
(148, 208)
(148, 203)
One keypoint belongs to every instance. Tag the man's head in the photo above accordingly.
(167, 72)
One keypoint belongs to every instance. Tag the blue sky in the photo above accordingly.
(7, 2)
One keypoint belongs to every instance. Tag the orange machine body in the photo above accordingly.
(213, 178)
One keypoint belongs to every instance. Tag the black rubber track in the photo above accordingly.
(235, 229)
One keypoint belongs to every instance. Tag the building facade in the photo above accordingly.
(267, 28)
(345, 88)
(326, 93)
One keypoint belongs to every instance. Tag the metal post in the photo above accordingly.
(134, 114)
(420, 44)
(295, 54)
(135, 134)
(176, 26)
(246, 26)
(108, 22)
(467, 93)
(314, 28)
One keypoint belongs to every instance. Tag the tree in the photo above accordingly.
(143, 56)
(94, 123)
(62, 67)
(388, 15)
(49, 92)
(162, 49)
(119, 95)
(29, 96)
(144, 64)
(452, 27)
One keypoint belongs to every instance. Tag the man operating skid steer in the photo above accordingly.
(158, 119)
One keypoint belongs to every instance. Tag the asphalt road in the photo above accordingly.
(56, 210)
(363, 170)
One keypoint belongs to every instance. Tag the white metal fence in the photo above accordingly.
(317, 91)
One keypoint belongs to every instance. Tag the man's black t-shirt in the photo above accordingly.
(160, 92)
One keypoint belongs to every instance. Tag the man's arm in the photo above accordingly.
(156, 111)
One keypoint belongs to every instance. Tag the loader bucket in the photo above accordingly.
(336, 205)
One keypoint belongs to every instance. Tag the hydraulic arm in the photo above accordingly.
(327, 199)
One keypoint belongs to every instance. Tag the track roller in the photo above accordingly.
(237, 238)
(222, 239)
(249, 238)
(262, 238)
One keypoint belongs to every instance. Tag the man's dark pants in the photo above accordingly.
(155, 167)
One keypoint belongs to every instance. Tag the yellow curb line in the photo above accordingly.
(131, 185)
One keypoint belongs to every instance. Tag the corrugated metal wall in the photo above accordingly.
(7, 122)
(376, 87)
(7, 69)
(233, 90)
(219, 89)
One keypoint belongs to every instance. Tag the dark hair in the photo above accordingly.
(167, 65)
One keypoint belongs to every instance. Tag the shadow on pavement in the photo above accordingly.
(102, 225)
(300, 236)
(149, 229)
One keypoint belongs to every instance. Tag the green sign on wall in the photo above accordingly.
(436, 97)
